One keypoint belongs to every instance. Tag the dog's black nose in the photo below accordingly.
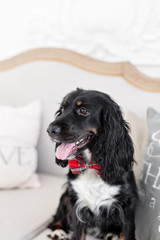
(53, 129)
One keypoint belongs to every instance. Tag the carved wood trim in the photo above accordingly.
(124, 69)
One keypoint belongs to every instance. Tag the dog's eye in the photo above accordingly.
(83, 111)
(59, 112)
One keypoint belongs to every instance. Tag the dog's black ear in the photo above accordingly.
(62, 163)
(114, 148)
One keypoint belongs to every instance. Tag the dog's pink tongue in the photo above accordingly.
(63, 150)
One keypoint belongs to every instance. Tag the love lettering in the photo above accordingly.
(16, 154)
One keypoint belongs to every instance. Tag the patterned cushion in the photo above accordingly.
(148, 211)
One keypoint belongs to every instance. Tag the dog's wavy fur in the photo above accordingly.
(112, 148)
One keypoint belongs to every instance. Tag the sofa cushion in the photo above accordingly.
(26, 212)
(139, 135)
(19, 133)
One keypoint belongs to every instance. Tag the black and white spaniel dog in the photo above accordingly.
(100, 198)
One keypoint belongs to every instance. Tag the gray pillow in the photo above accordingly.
(148, 210)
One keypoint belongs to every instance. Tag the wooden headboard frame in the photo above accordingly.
(124, 69)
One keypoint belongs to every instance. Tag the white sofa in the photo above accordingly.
(25, 213)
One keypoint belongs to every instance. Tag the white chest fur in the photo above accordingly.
(93, 192)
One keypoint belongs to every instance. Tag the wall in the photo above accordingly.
(109, 30)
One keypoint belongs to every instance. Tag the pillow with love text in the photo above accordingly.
(148, 210)
(19, 133)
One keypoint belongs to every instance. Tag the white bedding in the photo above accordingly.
(106, 30)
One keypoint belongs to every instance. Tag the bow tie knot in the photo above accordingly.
(79, 165)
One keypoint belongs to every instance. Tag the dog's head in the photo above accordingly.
(92, 120)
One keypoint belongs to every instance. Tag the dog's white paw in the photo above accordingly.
(112, 236)
(58, 234)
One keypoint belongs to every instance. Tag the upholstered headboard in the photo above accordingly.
(51, 80)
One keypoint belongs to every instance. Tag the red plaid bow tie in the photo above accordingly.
(78, 165)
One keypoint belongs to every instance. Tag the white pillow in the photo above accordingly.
(19, 132)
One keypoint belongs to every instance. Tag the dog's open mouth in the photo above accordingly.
(64, 150)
